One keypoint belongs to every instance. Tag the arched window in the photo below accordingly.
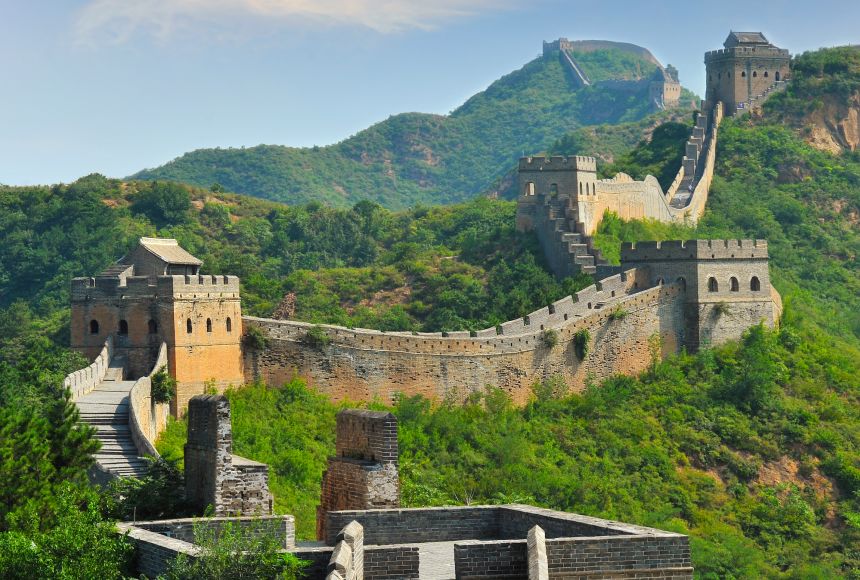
(712, 284)
(734, 284)
(188, 327)
(755, 285)
(765, 74)
(229, 325)
(208, 325)
(744, 73)
(777, 75)
(659, 281)
(530, 188)
(94, 326)
(123, 327)
(152, 326)
(553, 189)
(580, 189)
(755, 74)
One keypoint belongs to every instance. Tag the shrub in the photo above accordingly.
(317, 337)
(580, 343)
(233, 554)
(549, 338)
(618, 313)
(255, 338)
(163, 386)
(720, 308)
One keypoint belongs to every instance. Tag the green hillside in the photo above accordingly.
(752, 448)
(417, 158)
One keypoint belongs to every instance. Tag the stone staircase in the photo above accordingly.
(572, 252)
(106, 409)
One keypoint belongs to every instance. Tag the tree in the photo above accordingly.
(164, 203)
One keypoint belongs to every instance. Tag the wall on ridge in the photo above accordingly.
(366, 365)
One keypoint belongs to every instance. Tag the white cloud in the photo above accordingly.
(121, 19)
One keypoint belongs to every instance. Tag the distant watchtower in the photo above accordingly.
(155, 295)
(745, 70)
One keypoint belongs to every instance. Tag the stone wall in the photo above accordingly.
(363, 474)
(508, 559)
(86, 379)
(146, 418)
(158, 543)
(213, 475)
(365, 365)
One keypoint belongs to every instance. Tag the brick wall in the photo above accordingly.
(417, 525)
(363, 474)
(475, 560)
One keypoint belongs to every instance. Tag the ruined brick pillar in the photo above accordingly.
(363, 473)
(232, 485)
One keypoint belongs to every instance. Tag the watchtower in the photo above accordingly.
(664, 89)
(540, 178)
(746, 69)
(155, 294)
(727, 283)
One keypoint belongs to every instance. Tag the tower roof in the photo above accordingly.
(739, 38)
(169, 251)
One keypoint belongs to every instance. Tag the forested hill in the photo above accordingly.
(432, 159)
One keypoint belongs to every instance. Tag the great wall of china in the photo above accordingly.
(154, 309)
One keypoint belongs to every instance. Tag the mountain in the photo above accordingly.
(823, 99)
(415, 158)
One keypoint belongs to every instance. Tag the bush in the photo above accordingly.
(232, 554)
(163, 386)
(255, 339)
(549, 338)
(317, 337)
(618, 313)
(580, 343)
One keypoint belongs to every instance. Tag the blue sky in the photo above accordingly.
(113, 86)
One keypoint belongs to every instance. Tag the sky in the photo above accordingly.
(115, 86)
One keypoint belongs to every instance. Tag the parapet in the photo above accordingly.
(558, 163)
(744, 51)
(694, 250)
(96, 288)
(367, 435)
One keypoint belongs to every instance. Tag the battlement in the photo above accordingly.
(100, 288)
(558, 163)
(746, 51)
(694, 250)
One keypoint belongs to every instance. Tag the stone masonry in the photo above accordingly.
(153, 295)
(213, 475)
(363, 474)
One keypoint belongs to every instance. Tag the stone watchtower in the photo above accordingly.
(153, 295)
(744, 71)
(363, 474)
(664, 89)
(726, 281)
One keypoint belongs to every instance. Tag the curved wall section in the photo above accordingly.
(364, 365)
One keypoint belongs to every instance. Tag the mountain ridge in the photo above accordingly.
(413, 158)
